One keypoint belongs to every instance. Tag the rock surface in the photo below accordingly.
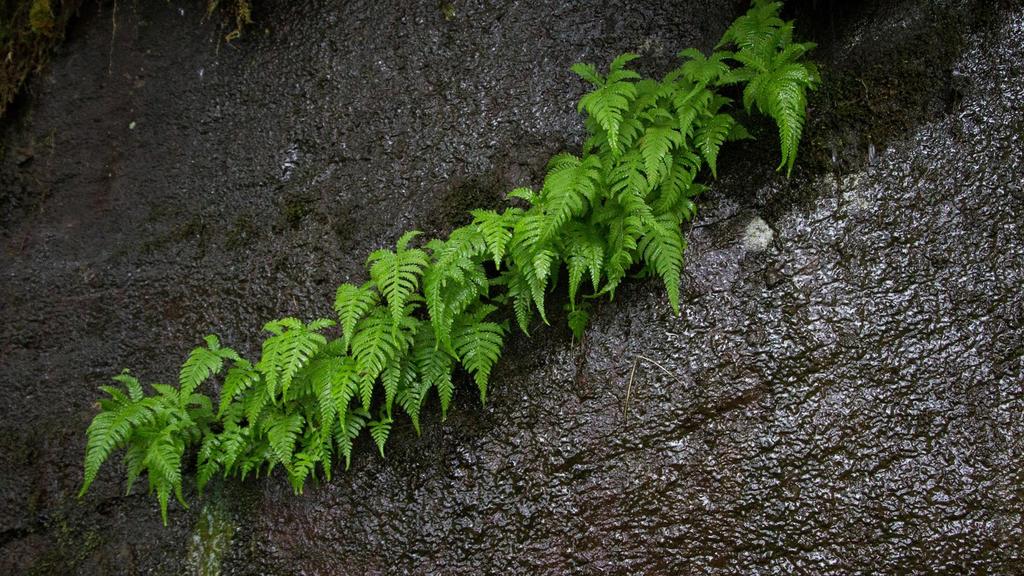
(844, 391)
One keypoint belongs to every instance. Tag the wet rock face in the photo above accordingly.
(843, 392)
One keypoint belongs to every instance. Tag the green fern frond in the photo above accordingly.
(282, 434)
(109, 431)
(624, 229)
(523, 193)
(578, 320)
(375, 345)
(131, 384)
(254, 403)
(478, 345)
(584, 249)
(454, 280)
(434, 366)
(662, 249)
(290, 349)
(163, 464)
(569, 187)
(202, 363)
(757, 26)
(379, 430)
(398, 375)
(496, 229)
(352, 303)
(612, 97)
(326, 375)
(701, 69)
(678, 186)
(690, 103)
(710, 136)
(240, 378)
(627, 177)
(351, 423)
(656, 146)
(397, 274)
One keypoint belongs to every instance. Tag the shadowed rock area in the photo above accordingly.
(843, 392)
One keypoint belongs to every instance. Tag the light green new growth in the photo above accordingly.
(428, 310)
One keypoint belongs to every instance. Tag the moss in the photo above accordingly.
(72, 546)
(40, 17)
(28, 33)
(210, 540)
(237, 11)
(31, 29)
(294, 209)
(242, 232)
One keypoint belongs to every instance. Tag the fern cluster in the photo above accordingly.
(430, 310)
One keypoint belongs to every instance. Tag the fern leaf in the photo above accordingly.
(163, 462)
(434, 366)
(611, 99)
(324, 374)
(522, 300)
(710, 136)
(627, 178)
(131, 384)
(624, 229)
(496, 230)
(255, 402)
(352, 303)
(584, 249)
(282, 435)
(662, 250)
(351, 424)
(478, 345)
(109, 431)
(398, 375)
(588, 72)
(379, 430)
(201, 364)
(578, 320)
(571, 183)
(523, 193)
(397, 274)
(755, 27)
(288, 351)
(240, 378)
(374, 346)
(701, 69)
(678, 187)
(655, 147)
(690, 103)
(454, 280)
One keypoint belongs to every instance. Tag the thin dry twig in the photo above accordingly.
(632, 374)
(629, 388)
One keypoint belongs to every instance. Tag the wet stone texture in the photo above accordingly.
(843, 393)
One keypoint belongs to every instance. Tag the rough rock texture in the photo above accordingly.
(844, 391)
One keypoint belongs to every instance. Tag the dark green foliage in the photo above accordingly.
(426, 314)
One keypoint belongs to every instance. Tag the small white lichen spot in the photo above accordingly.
(757, 236)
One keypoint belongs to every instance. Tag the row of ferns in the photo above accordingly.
(431, 308)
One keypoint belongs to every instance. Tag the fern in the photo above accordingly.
(290, 349)
(397, 274)
(478, 344)
(612, 96)
(352, 303)
(776, 79)
(428, 313)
